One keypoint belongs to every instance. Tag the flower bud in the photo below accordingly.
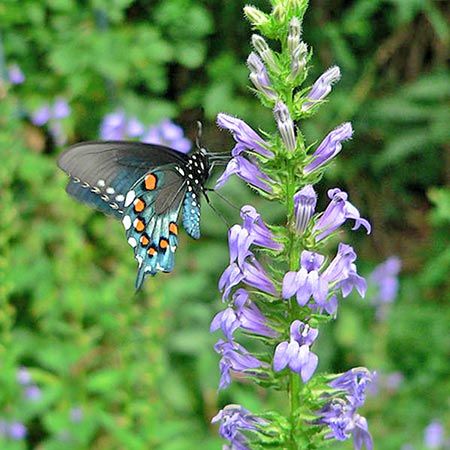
(259, 76)
(256, 16)
(264, 51)
(285, 125)
(295, 31)
(322, 87)
(304, 205)
(298, 60)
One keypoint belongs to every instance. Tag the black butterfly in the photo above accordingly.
(145, 186)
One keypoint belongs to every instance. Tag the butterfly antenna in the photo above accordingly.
(199, 135)
(221, 216)
(228, 202)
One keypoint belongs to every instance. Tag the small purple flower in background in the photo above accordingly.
(23, 376)
(41, 116)
(61, 108)
(305, 201)
(114, 126)
(385, 278)
(245, 137)
(322, 87)
(169, 134)
(134, 128)
(295, 354)
(390, 382)
(434, 435)
(17, 431)
(337, 212)
(32, 393)
(15, 74)
(233, 357)
(76, 414)
(234, 419)
(329, 147)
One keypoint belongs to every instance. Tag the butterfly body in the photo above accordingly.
(145, 186)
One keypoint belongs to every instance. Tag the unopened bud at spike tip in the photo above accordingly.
(295, 31)
(264, 51)
(285, 125)
(256, 16)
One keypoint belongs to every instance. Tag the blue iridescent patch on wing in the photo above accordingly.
(191, 214)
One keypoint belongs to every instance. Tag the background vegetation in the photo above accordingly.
(119, 370)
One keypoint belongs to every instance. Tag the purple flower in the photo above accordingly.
(233, 420)
(76, 414)
(337, 212)
(434, 435)
(329, 147)
(41, 116)
(353, 280)
(239, 241)
(61, 108)
(233, 357)
(341, 266)
(322, 87)
(17, 431)
(245, 315)
(306, 282)
(15, 74)
(113, 126)
(245, 137)
(385, 278)
(354, 383)
(247, 171)
(285, 126)
(134, 128)
(169, 134)
(304, 206)
(23, 376)
(264, 51)
(32, 393)
(295, 354)
(259, 76)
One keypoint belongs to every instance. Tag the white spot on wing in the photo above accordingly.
(132, 242)
(129, 198)
(101, 183)
(126, 222)
(110, 190)
(120, 198)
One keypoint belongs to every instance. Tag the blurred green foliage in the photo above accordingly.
(140, 367)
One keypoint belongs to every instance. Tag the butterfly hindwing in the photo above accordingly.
(191, 214)
(150, 220)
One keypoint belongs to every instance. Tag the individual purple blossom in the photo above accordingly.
(307, 281)
(304, 206)
(434, 435)
(23, 376)
(285, 126)
(249, 272)
(352, 281)
(246, 138)
(259, 76)
(234, 357)
(41, 116)
(239, 242)
(135, 128)
(15, 74)
(247, 171)
(61, 108)
(329, 147)
(113, 126)
(322, 87)
(17, 431)
(385, 277)
(258, 230)
(295, 354)
(233, 420)
(354, 383)
(32, 393)
(242, 314)
(337, 212)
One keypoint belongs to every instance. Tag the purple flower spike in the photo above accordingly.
(258, 230)
(246, 170)
(304, 206)
(41, 116)
(306, 282)
(245, 137)
(385, 277)
(295, 354)
(233, 420)
(15, 74)
(434, 436)
(285, 126)
(259, 76)
(337, 212)
(17, 431)
(234, 357)
(322, 87)
(329, 147)
(61, 108)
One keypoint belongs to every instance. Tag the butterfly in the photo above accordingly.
(146, 187)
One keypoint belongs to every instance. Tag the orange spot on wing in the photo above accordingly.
(144, 240)
(150, 182)
(152, 251)
(163, 243)
(173, 228)
(139, 205)
(139, 225)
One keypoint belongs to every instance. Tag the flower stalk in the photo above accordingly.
(283, 283)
